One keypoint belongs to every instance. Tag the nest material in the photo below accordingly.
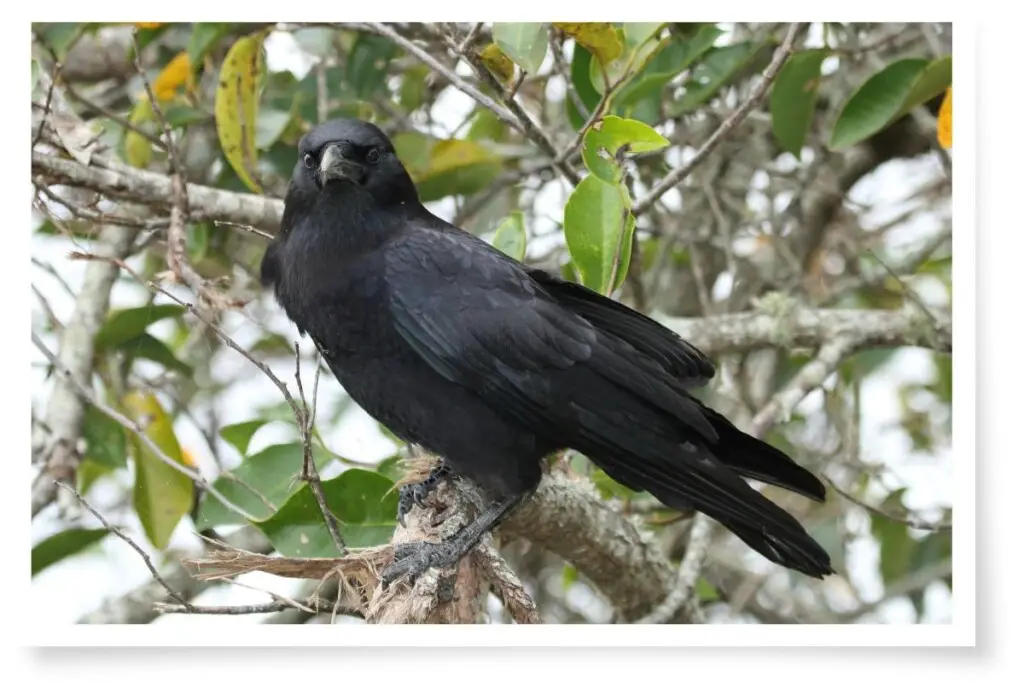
(451, 595)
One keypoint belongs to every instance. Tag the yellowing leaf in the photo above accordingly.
(600, 38)
(176, 74)
(162, 495)
(137, 149)
(945, 122)
(498, 63)
(235, 106)
(148, 24)
(442, 168)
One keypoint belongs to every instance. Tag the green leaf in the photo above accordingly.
(487, 126)
(273, 473)
(36, 72)
(636, 32)
(197, 240)
(236, 104)
(510, 237)
(180, 116)
(717, 69)
(105, 441)
(413, 88)
(704, 591)
(603, 142)
(584, 87)
(88, 473)
(600, 38)
(526, 44)
(162, 495)
(138, 151)
(128, 323)
(270, 126)
(609, 488)
(392, 467)
(240, 434)
(367, 64)
(61, 37)
(895, 544)
(673, 56)
(602, 75)
(569, 576)
(51, 550)
(793, 98)
(149, 347)
(442, 168)
(598, 232)
(888, 95)
(204, 37)
(363, 501)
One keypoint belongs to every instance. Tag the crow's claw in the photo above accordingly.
(415, 495)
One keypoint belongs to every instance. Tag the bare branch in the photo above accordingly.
(911, 523)
(689, 571)
(182, 602)
(728, 125)
(806, 380)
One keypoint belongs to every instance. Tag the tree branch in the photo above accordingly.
(728, 125)
(800, 326)
(117, 180)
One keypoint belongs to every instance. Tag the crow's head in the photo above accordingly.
(343, 154)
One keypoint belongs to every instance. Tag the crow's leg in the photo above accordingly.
(411, 495)
(412, 559)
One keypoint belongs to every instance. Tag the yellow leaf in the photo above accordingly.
(148, 24)
(186, 457)
(235, 106)
(176, 74)
(600, 38)
(498, 63)
(162, 495)
(945, 122)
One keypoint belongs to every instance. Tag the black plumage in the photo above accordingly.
(493, 365)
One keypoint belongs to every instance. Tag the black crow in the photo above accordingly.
(493, 365)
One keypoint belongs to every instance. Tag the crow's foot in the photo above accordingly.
(412, 559)
(415, 495)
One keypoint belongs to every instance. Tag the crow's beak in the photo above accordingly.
(335, 166)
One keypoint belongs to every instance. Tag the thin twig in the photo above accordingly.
(686, 578)
(116, 118)
(911, 523)
(49, 103)
(177, 253)
(811, 375)
(429, 60)
(183, 604)
(131, 426)
(309, 473)
(728, 125)
(245, 228)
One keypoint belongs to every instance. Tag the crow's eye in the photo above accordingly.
(309, 161)
(373, 156)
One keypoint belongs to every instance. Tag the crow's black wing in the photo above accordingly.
(478, 320)
(677, 356)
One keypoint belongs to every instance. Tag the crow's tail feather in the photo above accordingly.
(755, 459)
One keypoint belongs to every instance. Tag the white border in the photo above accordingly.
(960, 632)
